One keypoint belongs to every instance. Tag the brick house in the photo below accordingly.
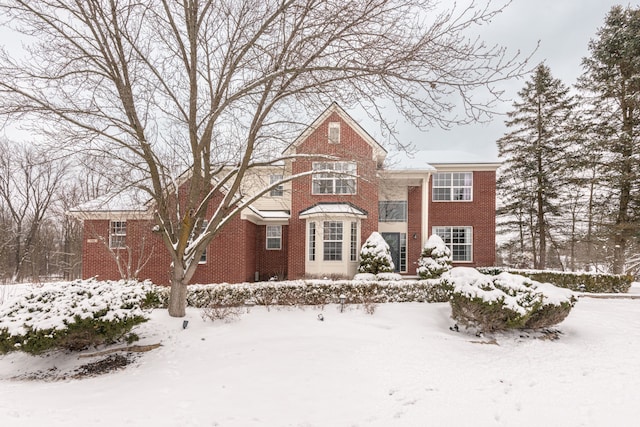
(314, 225)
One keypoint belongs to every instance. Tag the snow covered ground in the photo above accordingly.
(401, 366)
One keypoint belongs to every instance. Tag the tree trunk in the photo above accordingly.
(178, 293)
(177, 298)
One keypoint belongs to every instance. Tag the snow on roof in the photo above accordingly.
(277, 214)
(425, 159)
(333, 208)
(129, 200)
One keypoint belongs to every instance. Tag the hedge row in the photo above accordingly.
(581, 282)
(313, 292)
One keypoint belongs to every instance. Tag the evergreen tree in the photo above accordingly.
(532, 176)
(375, 255)
(435, 258)
(611, 82)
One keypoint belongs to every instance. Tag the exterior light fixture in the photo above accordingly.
(342, 299)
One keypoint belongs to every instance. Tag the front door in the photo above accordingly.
(393, 240)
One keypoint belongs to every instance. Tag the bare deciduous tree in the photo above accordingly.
(29, 181)
(216, 87)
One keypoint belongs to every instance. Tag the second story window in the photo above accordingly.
(342, 181)
(117, 234)
(452, 186)
(334, 133)
(392, 211)
(276, 191)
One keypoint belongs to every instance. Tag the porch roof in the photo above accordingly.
(328, 208)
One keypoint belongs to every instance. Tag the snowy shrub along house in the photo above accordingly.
(506, 301)
(314, 225)
(375, 256)
(435, 258)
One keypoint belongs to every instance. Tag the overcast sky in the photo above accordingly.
(563, 27)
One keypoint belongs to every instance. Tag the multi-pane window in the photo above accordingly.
(403, 252)
(312, 241)
(279, 190)
(354, 241)
(459, 240)
(342, 181)
(334, 133)
(117, 234)
(392, 211)
(274, 237)
(452, 186)
(203, 227)
(332, 240)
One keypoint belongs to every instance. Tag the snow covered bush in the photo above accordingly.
(383, 277)
(435, 258)
(506, 301)
(73, 316)
(576, 281)
(375, 256)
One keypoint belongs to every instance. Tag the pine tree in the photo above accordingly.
(435, 258)
(532, 176)
(375, 255)
(611, 82)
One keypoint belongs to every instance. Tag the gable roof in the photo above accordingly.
(379, 153)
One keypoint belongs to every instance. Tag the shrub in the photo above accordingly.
(226, 313)
(73, 316)
(315, 292)
(506, 301)
(435, 258)
(375, 256)
(576, 281)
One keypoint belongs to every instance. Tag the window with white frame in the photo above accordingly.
(342, 181)
(276, 191)
(203, 227)
(332, 240)
(354, 241)
(274, 237)
(452, 186)
(312, 241)
(392, 211)
(117, 234)
(334, 133)
(459, 240)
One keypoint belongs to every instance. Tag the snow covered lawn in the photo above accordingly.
(401, 366)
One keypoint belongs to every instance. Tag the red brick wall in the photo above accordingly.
(229, 256)
(414, 226)
(479, 214)
(352, 147)
(271, 262)
(98, 261)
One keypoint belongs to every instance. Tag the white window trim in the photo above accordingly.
(277, 237)
(279, 190)
(325, 226)
(450, 245)
(451, 187)
(335, 127)
(203, 257)
(334, 177)
(113, 232)
(402, 202)
(311, 242)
